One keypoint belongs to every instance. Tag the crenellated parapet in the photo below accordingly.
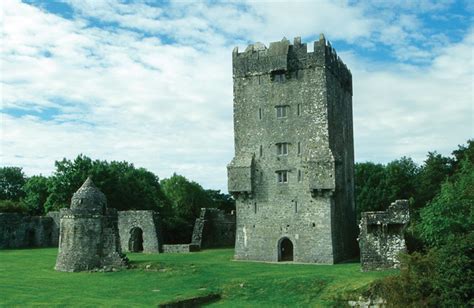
(287, 58)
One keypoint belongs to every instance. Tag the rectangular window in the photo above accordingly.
(261, 151)
(282, 176)
(260, 113)
(282, 111)
(255, 207)
(300, 175)
(298, 109)
(299, 148)
(282, 148)
(296, 206)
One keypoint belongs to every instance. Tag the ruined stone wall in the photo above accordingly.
(314, 208)
(21, 231)
(214, 228)
(148, 222)
(381, 236)
(56, 224)
(180, 248)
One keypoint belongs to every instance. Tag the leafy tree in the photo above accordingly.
(12, 180)
(371, 191)
(433, 173)
(463, 152)
(36, 194)
(125, 186)
(187, 198)
(221, 201)
(401, 178)
(451, 213)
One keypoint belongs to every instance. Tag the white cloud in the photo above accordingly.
(122, 95)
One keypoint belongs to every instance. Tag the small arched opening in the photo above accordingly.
(285, 250)
(135, 243)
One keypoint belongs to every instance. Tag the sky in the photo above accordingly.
(150, 82)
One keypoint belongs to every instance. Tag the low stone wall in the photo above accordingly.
(21, 231)
(180, 248)
(381, 236)
(214, 228)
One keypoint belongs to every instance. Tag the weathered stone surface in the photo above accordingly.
(214, 228)
(21, 231)
(381, 236)
(312, 213)
(180, 248)
(89, 237)
(133, 223)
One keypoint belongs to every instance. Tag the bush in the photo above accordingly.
(9, 206)
(442, 277)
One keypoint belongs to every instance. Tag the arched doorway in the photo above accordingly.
(135, 243)
(285, 250)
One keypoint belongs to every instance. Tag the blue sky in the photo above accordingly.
(150, 82)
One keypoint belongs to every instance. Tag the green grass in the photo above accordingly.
(27, 278)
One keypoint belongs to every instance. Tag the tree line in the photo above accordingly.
(178, 199)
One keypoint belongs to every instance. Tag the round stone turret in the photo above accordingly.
(89, 198)
(89, 237)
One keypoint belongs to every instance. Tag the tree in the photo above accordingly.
(371, 191)
(125, 186)
(36, 194)
(401, 178)
(451, 212)
(187, 198)
(221, 201)
(463, 152)
(12, 180)
(434, 172)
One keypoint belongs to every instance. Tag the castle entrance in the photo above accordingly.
(135, 243)
(285, 250)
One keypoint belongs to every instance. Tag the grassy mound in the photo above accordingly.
(27, 278)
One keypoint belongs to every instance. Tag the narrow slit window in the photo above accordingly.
(259, 113)
(282, 149)
(261, 151)
(282, 176)
(255, 207)
(300, 175)
(296, 206)
(298, 109)
(299, 148)
(282, 111)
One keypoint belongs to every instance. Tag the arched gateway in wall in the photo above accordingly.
(139, 231)
(285, 250)
(135, 242)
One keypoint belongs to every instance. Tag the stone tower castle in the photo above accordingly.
(292, 174)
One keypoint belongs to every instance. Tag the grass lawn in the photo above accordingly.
(27, 278)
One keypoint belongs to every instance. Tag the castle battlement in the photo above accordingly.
(285, 57)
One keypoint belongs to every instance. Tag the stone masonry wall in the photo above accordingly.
(381, 236)
(21, 231)
(314, 208)
(148, 222)
(214, 228)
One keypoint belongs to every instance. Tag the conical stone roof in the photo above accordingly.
(88, 197)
